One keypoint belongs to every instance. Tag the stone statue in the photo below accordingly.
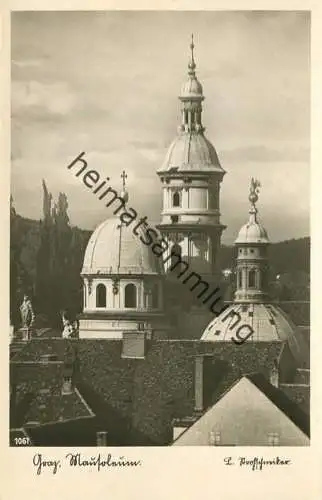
(70, 329)
(27, 313)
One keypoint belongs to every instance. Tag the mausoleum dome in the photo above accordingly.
(113, 248)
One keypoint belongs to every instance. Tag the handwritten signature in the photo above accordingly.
(256, 463)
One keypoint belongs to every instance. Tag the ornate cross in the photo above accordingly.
(123, 177)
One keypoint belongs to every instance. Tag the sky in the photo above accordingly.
(107, 83)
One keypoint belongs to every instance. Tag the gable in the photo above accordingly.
(244, 416)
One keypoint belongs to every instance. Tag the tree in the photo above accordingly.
(45, 257)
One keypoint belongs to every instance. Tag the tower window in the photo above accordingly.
(176, 199)
(251, 278)
(101, 295)
(174, 219)
(130, 295)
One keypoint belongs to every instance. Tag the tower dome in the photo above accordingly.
(252, 232)
(191, 152)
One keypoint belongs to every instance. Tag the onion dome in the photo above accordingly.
(191, 88)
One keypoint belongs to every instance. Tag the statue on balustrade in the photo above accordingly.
(27, 313)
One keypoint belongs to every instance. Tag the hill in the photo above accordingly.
(285, 257)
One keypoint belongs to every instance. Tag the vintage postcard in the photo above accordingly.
(159, 258)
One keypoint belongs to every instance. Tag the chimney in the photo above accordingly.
(134, 345)
(199, 403)
(68, 371)
(101, 438)
(67, 387)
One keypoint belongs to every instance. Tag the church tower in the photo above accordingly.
(253, 316)
(191, 176)
(252, 264)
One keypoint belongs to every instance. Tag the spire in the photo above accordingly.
(192, 64)
(191, 97)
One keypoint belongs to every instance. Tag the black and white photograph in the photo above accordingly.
(159, 230)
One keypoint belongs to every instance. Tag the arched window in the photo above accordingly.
(130, 295)
(252, 278)
(240, 279)
(155, 296)
(176, 199)
(101, 295)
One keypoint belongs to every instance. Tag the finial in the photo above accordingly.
(192, 64)
(253, 194)
(124, 194)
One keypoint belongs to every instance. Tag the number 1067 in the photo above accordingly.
(21, 441)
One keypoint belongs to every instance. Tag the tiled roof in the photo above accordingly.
(75, 432)
(36, 389)
(135, 398)
(298, 393)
